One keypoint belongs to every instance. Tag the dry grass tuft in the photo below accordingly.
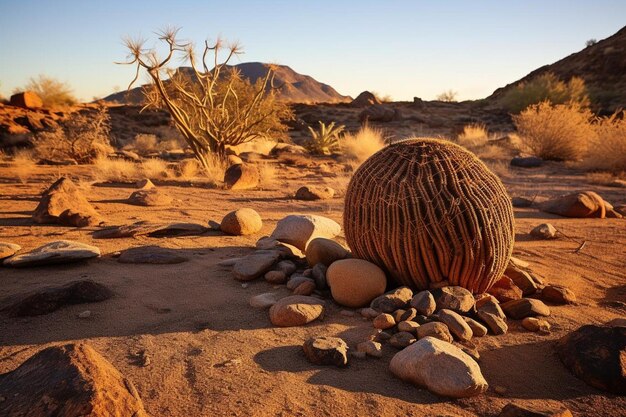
(361, 145)
(607, 148)
(216, 169)
(473, 135)
(155, 169)
(23, 165)
(189, 169)
(560, 132)
(107, 169)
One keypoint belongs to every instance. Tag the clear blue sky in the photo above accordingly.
(401, 48)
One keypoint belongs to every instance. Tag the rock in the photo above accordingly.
(544, 231)
(408, 326)
(8, 249)
(136, 229)
(454, 298)
(254, 265)
(457, 326)
(299, 230)
(526, 162)
(286, 267)
(596, 355)
(424, 303)
(383, 336)
(177, 229)
(241, 222)
(379, 113)
(50, 299)
(26, 100)
(318, 272)
(582, 205)
(364, 99)
(401, 340)
(397, 315)
(521, 202)
(314, 193)
(370, 348)
(369, 313)
(478, 330)
(558, 294)
(296, 280)
(229, 262)
(518, 263)
(149, 198)
(409, 314)
(286, 250)
(234, 160)
(151, 255)
(326, 351)
(296, 310)
(263, 301)
(324, 251)
(355, 282)
(392, 300)
(64, 204)
(505, 290)
(536, 325)
(241, 177)
(384, 321)
(525, 307)
(144, 184)
(522, 280)
(58, 252)
(275, 277)
(490, 312)
(71, 380)
(439, 367)
(515, 410)
(84, 314)
(434, 329)
(306, 288)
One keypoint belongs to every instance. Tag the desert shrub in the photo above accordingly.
(214, 168)
(448, 96)
(556, 132)
(188, 169)
(154, 168)
(52, 91)
(114, 169)
(23, 165)
(590, 42)
(325, 140)
(82, 138)
(607, 148)
(473, 134)
(545, 87)
(147, 143)
(357, 147)
(212, 108)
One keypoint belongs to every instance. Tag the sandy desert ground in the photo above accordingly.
(209, 353)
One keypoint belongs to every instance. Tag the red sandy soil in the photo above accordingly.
(191, 318)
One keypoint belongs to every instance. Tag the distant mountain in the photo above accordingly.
(602, 66)
(294, 87)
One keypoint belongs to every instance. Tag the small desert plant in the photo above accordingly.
(82, 138)
(359, 146)
(557, 132)
(474, 134)
(109, 169)
(188, 169)
(23, 165)
(214, 168)
(325, 140)
(545, 87)
(212, 108)
(448, 96)
(591, 42)
(52, 91)
(154, 168)
(607, 148)
(143, 144)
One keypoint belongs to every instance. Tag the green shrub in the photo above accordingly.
(325, 140)
(545, 87)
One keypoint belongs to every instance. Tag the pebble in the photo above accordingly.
(424, 303)
(84, 314)
(275, 277)
(370, 348)
(478, 329)
(369, 313)
(306, 288)
(401, 340)
(286, 267)
(326, 351)
(245, 285)
(295, 281)
(408, 326)
(536, 325)
(384, 321)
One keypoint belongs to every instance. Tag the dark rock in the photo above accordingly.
(47, 300)
(254, 265)
(596, 355)
(521, 202)
(544, 231)
(392, 300)
(26, 100)
(326, 351)
(319, 276)
(526, 162)
(365, 99)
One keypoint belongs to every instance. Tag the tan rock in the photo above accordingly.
(384, 321)
(324, 251)
(296, 310)
(63, 203)
(241, 177)
(355, 282)
(241, 222)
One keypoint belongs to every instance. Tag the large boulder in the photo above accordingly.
(63, 203)
(27, 100)
(597, 355)
(244, 221)
(299, 230)
(241, 177)
(582, 204)
(71, 380)
(355, 282)
(58, 252)
(296, 310)
(365, 99)
(440, 367)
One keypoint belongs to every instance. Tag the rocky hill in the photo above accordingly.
(294, 87)
(602, 66)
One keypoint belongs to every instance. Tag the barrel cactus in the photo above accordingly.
(427, 211)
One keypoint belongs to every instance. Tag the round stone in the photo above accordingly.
(355, 282)
(241, 222)
(324, 251)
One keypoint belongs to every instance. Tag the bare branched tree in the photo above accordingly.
(212, 107)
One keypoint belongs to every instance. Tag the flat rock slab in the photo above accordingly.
(254, 265)
(8, 249)
(296, 310)
(525, 307)
(149, 198)
(58, 252)
(71, 380)
(515, 410)
(326, 351)
(596, 355)
(151, 230)
(151, 255)
(50, 299)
